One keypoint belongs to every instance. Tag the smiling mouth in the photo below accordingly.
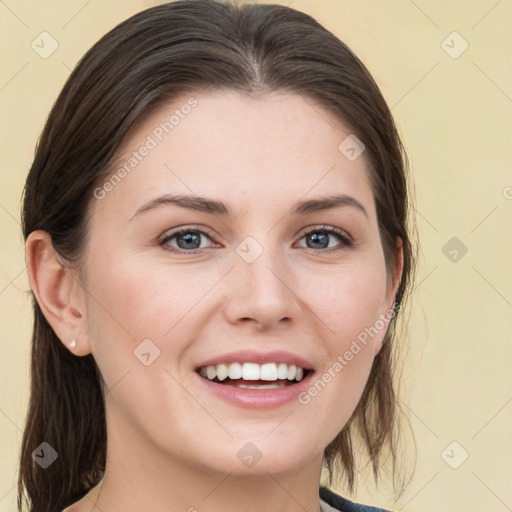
(254, 375)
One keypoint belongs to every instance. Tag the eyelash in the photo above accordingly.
(344, 238)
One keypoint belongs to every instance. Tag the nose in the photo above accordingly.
(263, 292)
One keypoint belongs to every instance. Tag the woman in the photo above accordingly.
(216, 241)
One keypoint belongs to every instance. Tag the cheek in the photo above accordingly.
(131, 301)
(348, 300)
(125, 306)
(144, 299)
(348, 306)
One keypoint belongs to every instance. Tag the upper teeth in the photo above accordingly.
(253, 371)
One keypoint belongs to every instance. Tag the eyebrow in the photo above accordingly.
(214, 207)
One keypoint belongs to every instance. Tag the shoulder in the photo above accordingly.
(344, 505)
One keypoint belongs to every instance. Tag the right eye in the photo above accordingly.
(187, 239)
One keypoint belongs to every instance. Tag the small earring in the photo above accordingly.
(73, 344)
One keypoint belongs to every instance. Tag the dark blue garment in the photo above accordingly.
(335, 501)
(344, 505)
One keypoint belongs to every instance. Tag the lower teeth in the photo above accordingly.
(262, 386)
(240, 383)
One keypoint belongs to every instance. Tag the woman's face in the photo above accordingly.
(257, 275)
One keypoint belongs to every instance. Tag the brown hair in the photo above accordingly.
(152, 57)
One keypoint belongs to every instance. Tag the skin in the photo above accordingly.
(172, 445)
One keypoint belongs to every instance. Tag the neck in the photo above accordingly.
(142, 478)
(185, 491)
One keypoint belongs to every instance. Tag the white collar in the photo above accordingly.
(325, 507)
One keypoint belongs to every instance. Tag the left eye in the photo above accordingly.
(319, 237)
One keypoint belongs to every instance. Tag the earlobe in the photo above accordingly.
(397, 273)
(53, 286)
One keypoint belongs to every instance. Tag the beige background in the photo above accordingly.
(454, 116)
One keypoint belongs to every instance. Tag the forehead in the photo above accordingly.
(260, 151)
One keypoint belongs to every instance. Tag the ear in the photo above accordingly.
(388, 307)
(57, 291)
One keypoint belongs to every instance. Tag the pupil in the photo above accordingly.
(317, 237)
(189, 238)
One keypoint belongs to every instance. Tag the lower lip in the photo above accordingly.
(257, 398)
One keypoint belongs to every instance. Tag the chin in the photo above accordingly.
(253, 455)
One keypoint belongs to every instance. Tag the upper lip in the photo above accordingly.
(253, 356)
